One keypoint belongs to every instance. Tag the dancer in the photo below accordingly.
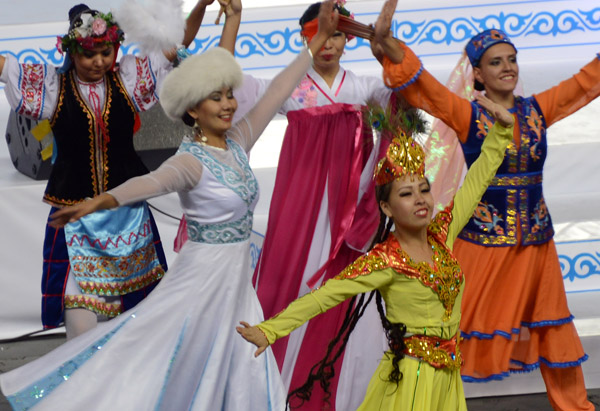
(515, 316)
(324, 194)
(179, 344)
(92, 104)
(415, 273)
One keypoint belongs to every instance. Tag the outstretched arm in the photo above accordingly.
(332, 293)
(483, 170)
(233, 17)
(178, 173)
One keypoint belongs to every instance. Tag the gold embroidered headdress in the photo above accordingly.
(404, 156)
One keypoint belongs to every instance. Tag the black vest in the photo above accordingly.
(87, 163)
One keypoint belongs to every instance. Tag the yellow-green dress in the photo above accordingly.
(424, 296)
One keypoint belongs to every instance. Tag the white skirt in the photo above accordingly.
(176, 350)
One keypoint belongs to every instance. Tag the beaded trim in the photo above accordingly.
(437, 352)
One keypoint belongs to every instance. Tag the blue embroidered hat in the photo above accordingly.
(483, 41)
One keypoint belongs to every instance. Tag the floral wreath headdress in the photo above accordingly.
(404, 156)
(88, 30)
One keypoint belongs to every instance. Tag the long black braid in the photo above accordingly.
(323, 371)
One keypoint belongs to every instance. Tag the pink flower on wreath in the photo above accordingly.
(59, 44)
(98, 26)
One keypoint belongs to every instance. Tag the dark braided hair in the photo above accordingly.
(323, 371)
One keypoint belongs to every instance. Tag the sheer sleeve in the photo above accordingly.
(142, 78)
(181, 172)
(248, 129)
(332, 293)
(31, 89)
(478, 178)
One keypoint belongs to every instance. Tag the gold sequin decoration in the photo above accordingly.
(435, 351)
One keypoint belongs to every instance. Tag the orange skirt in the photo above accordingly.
(514, 311)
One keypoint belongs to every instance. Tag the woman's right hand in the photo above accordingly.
(500, 113)
(254, 335)
(328, 21)
(75, 212)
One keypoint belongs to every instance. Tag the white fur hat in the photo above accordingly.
(196, 77)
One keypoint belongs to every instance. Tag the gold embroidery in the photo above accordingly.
(437, 352)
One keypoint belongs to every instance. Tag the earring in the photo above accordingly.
(199, 133)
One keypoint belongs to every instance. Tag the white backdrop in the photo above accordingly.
(555, 38)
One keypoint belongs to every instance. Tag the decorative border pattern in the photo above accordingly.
(436, 31)
(582, 265)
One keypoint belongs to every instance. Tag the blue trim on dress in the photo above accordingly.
(548, 322)
(40, 389)
(526, 368)
(412, 80)
(171, 363)
(514, 331)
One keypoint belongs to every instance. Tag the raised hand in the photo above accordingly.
(500, 113)
(328, 21)
(253, 335)
(384, 42)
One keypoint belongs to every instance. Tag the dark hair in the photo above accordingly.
(310, 13)
(478, 86)
(75, 11)
(323, 371)
(187, 119)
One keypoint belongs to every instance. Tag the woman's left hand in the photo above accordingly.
(254, 335)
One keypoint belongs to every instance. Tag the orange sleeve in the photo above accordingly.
(570, 95)
(423, 91)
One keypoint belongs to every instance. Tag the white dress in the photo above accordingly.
(178, 349)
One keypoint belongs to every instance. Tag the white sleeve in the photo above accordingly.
(31, 89)
(251, 90)
(379, 92)
(143, 77)
(248, 129)
(181, 172)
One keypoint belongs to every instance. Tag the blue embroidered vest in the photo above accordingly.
(515, 193)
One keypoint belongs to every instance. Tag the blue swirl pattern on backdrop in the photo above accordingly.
(435, 31)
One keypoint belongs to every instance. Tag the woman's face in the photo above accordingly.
(92, 65)
(214, 114)
(329, 56)
(410, 204)
(498, 70)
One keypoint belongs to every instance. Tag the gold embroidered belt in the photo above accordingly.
(516, 181)
(436, 351)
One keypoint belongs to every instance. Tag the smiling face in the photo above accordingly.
(498, 70)
(331, 53)
(214, 114)
(410, 203)
(92, 65)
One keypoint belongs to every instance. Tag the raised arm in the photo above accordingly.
(233, 17)
(404, 73)
(247, 130)
(194, 21)
(483, 170)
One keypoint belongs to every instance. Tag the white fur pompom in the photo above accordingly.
(155, 25)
